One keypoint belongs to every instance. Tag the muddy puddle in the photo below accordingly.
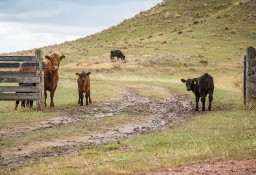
(162, 112)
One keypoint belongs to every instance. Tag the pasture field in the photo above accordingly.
(141, 118)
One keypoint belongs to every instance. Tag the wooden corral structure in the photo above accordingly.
(11, 76)
(250, 76)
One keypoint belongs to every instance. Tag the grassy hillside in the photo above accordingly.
(177, 37)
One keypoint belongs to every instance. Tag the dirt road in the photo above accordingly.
(161, 112)
(229, 167)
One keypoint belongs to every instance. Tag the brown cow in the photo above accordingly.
(83, 83)
(25, 103)
(51, 75)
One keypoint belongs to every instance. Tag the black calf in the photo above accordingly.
(201, 86)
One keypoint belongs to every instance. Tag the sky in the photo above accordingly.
(28, 24)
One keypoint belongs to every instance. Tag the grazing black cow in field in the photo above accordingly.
(201, 86)
(116, 53)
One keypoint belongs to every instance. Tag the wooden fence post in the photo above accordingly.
(40, 73)
(250, 76)
(244, 81)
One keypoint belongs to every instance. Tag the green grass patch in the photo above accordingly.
(212, 136)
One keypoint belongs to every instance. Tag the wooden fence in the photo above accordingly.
(11, 76)
(250, 76)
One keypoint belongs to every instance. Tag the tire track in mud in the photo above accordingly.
(161, 112)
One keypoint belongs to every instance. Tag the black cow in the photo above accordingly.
(116, 53)
(201, 86)
(24, 103)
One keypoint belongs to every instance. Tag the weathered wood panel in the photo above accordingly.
(10, 65)
(40, 74)
(253, 95)
(19, 65)
(19, 80)
(252, 79)
(18, 89)
(250, 76)
(17, 74)
(19, 96)
(17, 58)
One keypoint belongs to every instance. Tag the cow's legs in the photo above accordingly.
(197, 101)
(23, 104)
(90, 101)
(52, 95)
(16, 105)
(45, 97)
(210, 102)
(81, 98)
(86, 98)
(203, 102)
(31, 104)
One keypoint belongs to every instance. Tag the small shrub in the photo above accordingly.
(237, 84)
(201, 55)
(113, 146)
(180, 32)
(89, 153)
(196, 22)
(233, 31)
(116, 67)
(203, 62)
(226, 28)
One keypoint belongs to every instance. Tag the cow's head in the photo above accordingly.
(54, 61)
(83, 76)
(189, 83)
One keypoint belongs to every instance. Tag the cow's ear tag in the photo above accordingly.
(194, 81)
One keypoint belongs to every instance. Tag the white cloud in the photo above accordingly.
(20, 36)
(27, 24)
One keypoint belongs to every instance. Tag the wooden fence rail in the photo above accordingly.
(11, 76)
